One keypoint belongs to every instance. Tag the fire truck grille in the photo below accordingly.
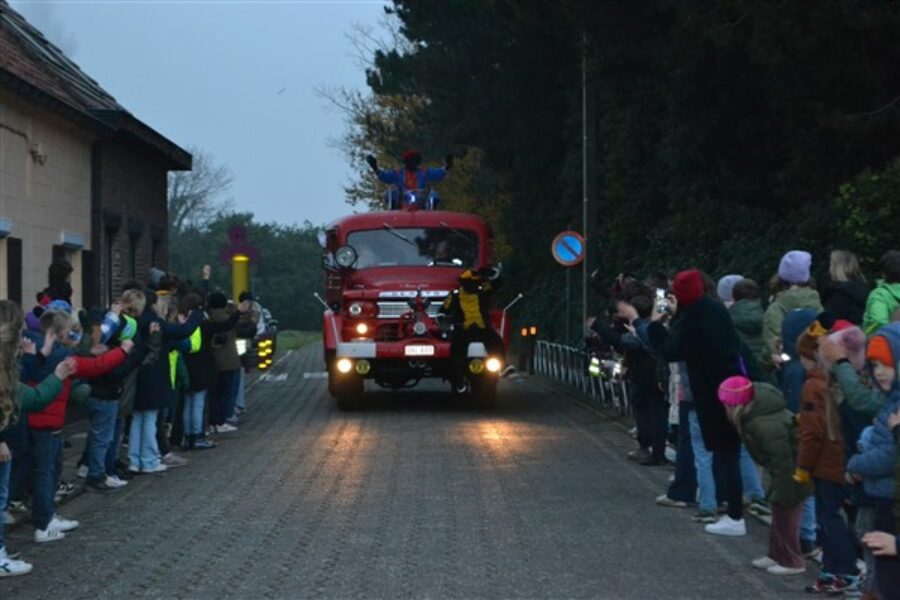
(393, 310)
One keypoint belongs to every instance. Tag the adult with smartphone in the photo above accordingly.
(705, 339)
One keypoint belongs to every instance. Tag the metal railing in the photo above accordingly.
(568, 366)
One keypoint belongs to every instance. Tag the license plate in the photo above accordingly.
(419, 351)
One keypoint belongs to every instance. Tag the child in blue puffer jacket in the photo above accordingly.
(874, 465)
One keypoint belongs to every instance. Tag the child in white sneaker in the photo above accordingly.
(767, 429)
(15, 398)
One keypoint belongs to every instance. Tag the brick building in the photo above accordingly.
(80, 176)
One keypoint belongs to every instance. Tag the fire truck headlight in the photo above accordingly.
(345, 256)
(362, 329)
(355, 309)
(363, 366)
(476, 366)
(344, 365)
(494, 365)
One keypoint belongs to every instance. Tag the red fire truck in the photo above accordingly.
(386, 277)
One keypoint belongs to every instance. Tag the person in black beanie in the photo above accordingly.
(201, 370)
(227, 362)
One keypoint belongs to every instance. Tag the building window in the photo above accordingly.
(60, 253)
(154, 252)
(132, 256)
(108, 251)
(14, 269)
(89, 280)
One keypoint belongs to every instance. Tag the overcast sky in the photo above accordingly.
(236, 79)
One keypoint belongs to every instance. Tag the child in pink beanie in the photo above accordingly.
(767, 429)
(852, 346)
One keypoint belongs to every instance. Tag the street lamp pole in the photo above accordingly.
(584, 179)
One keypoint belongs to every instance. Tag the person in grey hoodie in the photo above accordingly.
(794, 274)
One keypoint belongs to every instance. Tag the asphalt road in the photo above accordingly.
(417, 497)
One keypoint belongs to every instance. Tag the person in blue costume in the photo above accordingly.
(411, 177)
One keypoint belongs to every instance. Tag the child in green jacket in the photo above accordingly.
(767, 429)
(15, 398)
(885, 298)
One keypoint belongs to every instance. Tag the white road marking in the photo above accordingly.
(280, 360)
(271, 377)
(316, 375)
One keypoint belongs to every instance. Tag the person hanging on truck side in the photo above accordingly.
(467, 309)
(410, 177)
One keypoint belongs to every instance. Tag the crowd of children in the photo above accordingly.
(806, 388)
(158, 368)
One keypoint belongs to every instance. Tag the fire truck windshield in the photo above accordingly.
(414, 246)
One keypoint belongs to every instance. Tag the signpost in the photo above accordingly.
(568, 250)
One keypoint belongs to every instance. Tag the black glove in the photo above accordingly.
(448, 162)
(372, 162)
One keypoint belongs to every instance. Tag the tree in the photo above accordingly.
(195, 196)
(283, 279)
(724, 129)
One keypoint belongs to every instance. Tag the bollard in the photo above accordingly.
(532, 343)
(523, 351)
(240, 275)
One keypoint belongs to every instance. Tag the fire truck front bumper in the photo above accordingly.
(423, 350)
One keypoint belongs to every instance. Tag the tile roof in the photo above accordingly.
(26, 53)
(31, 64)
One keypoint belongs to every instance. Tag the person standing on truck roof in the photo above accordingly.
(411, 176)
(467, 308)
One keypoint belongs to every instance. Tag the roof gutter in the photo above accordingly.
(174, 157)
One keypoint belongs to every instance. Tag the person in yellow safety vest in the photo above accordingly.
(468, 310)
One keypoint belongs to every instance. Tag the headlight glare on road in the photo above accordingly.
(344, 365)
(476, 366)
(493, 365)
(363, 366)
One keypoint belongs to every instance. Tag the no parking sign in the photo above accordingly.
(568, 248)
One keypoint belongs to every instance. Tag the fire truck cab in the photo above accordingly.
(386, 276)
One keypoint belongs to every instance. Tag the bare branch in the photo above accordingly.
(194, 196)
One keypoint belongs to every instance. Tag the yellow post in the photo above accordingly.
(240, 275)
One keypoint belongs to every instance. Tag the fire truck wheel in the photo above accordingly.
(332, 375)
(349, 392)
(332, 384)
(484, 389)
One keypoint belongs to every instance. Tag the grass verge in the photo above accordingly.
(291, 339)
